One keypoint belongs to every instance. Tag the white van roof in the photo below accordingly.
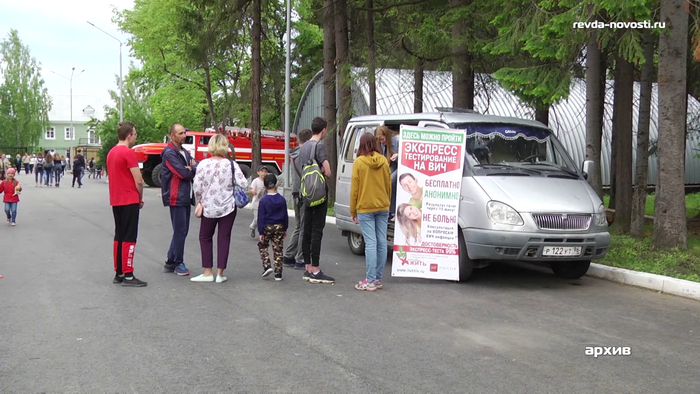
(449, 117)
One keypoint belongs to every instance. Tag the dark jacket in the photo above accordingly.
(175, 179)
(296, 178)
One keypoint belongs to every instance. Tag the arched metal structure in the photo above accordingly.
(567, 118)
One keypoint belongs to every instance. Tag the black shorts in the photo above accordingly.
(126, 222)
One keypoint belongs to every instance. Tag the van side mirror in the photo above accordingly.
(588, 167)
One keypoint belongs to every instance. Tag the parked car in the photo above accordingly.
(522, 196)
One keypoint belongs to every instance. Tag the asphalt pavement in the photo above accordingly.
(64, 327)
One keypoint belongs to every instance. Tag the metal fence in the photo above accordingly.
(13, 150)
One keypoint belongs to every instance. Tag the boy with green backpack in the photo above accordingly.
(314, 192)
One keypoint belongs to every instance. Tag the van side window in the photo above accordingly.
(354, 141)
(204, 140)
(189, 140)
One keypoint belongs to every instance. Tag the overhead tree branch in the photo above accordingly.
(380, 9)
(410, 52)
(180, 77)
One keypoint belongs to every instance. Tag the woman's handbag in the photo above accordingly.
(238, 193)
(199, 211)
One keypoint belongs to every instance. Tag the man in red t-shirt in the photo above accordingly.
(126, 199)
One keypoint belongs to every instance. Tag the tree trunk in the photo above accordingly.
(342, 53)
(207, 92)
(542, 115)
(371, 61)
(329, 98)
(641, 172)
(418, 86)
(256, 86)
(670, 226)
(622, 126)
(595, 95)
(462, 73)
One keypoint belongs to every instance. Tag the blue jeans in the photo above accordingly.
(48, 176)
(11, 211)
(373, 227)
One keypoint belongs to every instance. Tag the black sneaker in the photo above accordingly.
(306, 276)
(300, 266)
(118, 279)
(169, 268)
(252, 233)
(267, 271)
(287, 262)
(278, 277)
(320, 277)
(133, 282)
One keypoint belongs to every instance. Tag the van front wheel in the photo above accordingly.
(571, 270)
(356, 242)
(466, 265)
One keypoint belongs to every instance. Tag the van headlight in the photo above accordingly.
(600, 218)
(503, 214)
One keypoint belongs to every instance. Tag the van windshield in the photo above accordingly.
(523, 149)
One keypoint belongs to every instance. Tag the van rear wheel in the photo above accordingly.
(571, 270)
(356, 242)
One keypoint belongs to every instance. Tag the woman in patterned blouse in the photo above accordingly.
(213, 187)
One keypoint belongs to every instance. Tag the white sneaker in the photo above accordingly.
(14, 224)
(221, 279)
(202, 278)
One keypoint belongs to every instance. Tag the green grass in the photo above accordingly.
(639, 255)
(692, 203)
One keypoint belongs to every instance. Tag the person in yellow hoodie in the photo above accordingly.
(369, 206)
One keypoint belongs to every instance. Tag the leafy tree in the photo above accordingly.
(24, 101)
(137, 110)
(179, 102)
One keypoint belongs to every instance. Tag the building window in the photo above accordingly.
(50, 133)
(89, 111)
(92, 140)
(70, 134)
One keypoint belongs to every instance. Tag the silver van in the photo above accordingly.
(522, 198)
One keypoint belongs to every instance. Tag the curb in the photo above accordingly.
(659, 283)
(329, 219)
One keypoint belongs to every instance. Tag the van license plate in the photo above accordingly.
(561, 251)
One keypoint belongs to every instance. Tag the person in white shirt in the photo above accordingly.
(257, 188)
(213, 187)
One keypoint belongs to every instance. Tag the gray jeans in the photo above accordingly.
(294, 250)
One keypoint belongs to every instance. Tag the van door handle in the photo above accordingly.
(343, 168)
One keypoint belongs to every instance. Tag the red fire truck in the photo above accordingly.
(271, 143)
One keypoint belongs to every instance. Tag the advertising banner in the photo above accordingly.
(427, 203)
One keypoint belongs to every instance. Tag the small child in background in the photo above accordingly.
(12, 189)
(272, 226)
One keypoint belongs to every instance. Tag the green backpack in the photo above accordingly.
(313, 182)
